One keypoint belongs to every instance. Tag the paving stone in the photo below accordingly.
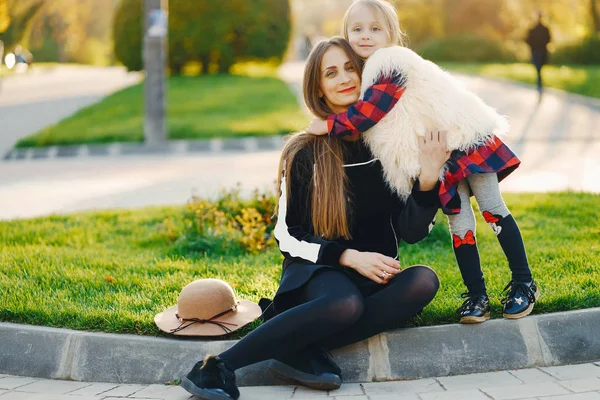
(52, 387)
(162, 392)
(532, 375)
(266, 392)
(44, 396)
(13, 382)
(578, 396)
(363, 397)
(582, 385)
(304, 392)
(578, 371)
(471, 394)
(402, 387)
(477, 381)
(404, 396)
(348, 389)
(94, 389)
(123, 390)
(524, 391)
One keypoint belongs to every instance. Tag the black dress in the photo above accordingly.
(378, 220)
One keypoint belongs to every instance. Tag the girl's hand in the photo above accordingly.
(375, 266)
(318, 127)
(433, 156)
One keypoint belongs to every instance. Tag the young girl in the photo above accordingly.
(403, 97)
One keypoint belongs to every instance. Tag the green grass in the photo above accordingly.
(584, 80)
(198, 108)
(113, 271)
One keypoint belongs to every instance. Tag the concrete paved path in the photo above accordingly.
(557, 139)
(571, 382)
(39, 98)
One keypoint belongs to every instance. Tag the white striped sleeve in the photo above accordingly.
(288, 243)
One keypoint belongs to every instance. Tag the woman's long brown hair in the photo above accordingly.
(329, 181)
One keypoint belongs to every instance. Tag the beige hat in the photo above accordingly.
(207, 307)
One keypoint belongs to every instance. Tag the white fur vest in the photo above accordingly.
(433, 100)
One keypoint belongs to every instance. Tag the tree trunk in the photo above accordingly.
(205, 61)
(595, 16)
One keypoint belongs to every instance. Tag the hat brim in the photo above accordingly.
(247, 312)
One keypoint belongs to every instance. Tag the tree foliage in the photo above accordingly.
(61, 30)
(4, 16)
(215, 34)
(127, 34)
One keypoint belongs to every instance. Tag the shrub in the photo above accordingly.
(586, 52)
(228, 226)
(465, 48)
(127, 34)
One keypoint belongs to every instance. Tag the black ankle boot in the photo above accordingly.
(520, 299)
(312, 367)
(475, 309)
(211, 379)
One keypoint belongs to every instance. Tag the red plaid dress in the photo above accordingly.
(379, 99)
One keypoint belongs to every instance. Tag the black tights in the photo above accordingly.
(334, 313)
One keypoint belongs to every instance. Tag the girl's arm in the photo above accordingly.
(293, 229)
(378, 100)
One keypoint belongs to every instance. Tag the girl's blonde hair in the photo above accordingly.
(327, 205)
(387, 12)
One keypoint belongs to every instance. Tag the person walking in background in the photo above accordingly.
(538, 39)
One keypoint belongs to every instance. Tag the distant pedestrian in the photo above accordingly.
(538, 39)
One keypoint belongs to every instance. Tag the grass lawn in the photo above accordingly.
(198, 108)
(113, 271)
(579, 79)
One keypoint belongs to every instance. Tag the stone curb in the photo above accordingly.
(244, 144)
(536, 341)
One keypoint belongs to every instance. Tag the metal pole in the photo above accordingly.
(155, 57)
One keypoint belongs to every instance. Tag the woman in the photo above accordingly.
(338, 228)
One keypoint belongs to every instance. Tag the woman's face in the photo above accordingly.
(365, 33)
(340, 82)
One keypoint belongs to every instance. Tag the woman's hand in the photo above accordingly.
(318, 127)
(433, 156)
(375, 266)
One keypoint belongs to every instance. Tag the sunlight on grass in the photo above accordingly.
(112, 271)
(198, 108)
(583, 80)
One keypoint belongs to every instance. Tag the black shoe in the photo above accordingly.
(475, 309)
(211, 379)
(520, 299)
(312, 367)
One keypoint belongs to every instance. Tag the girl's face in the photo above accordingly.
(365, 31)
(339, 81)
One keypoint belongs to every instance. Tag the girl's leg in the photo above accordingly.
(390, 307)
(475, 308)
(522, 290)
(332, 304)
(464, 243)
(487, 193)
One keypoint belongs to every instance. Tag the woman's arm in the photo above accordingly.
(293, 229)
(415, 218)
(378, 101)
(413, 222)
